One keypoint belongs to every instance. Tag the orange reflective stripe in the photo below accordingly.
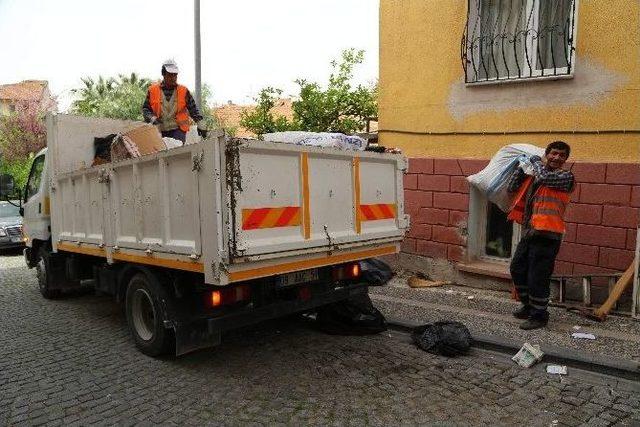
(377, 211)
(288, 216)
(548, 206)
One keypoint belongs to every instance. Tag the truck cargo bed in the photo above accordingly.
(233, 209)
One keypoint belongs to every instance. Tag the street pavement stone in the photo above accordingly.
(71, 362)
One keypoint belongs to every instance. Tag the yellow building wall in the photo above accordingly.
(426, 109)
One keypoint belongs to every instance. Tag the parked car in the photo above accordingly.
(10, 226)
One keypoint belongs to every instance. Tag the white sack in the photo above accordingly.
(318, 139)
(172, 142)
(493, 180)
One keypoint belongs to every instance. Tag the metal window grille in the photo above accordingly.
(518, 39)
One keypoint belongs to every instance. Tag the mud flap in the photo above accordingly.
(57, 273)
(195, 336)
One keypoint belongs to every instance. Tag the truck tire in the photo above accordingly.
(145, 316)
(43, 272)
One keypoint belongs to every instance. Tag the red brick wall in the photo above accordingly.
(601, 218)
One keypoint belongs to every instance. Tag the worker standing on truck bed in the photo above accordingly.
(543, 191)
(169, 105)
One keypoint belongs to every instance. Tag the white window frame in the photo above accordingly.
(476, 241)
(528, 73)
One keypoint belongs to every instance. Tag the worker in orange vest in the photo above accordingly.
(171, 107)
(542, 192)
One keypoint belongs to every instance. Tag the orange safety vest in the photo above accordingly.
(182, 115)
(548, 207)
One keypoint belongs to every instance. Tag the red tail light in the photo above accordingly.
(228, 296)
(304, 293)
(347, 271)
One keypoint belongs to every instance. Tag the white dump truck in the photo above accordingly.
(210, 236)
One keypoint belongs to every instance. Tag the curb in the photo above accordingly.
(552, 354)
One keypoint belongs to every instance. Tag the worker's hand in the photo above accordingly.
(525, 165)
(154, 121)
(202, 132)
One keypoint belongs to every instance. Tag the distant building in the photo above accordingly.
(229, 115)
(27, 90)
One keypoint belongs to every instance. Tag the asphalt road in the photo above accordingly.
(71, 361)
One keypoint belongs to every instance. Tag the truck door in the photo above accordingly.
(36, 201)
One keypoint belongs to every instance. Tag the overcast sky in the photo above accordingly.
(246, 44)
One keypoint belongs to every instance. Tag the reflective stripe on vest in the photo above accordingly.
(547, 209)
(156, 99)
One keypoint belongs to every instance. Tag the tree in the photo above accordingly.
(120, 98)
(261, 120)
(22, 133)
(210, 121)
(340, 107)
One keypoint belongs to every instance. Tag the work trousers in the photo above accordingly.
(531, 269)
(178, 134)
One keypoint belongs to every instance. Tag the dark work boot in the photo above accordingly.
(535, 322)
(522, 313)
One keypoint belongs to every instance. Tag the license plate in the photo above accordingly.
(297, 277)
(16, 240)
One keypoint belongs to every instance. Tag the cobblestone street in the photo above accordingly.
(72, 361)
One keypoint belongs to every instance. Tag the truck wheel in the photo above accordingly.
(44, 275)
(145, 318)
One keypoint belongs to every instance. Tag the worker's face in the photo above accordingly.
(556, 158)
(170, 79)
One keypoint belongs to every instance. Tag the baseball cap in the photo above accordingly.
(170, 66)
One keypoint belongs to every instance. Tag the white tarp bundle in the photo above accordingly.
(171, 142)
(494, 179)
(318, 139)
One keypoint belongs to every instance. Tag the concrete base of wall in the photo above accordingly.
(441, 269)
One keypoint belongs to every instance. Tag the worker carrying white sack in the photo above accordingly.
(541, 191)
(493, 180)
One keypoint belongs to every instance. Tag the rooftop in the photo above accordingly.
(27, 90)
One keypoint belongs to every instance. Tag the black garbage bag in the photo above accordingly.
(375, 272)
(445, 338)
(354, 316)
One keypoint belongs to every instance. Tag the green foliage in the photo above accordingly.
(19, 169)
(210, 121)
(261, 120)
(120, 98)
(340, 107)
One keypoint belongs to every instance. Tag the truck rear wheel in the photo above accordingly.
(45, 276)
(145, 316)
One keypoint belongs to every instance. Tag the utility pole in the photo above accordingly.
(196, 35)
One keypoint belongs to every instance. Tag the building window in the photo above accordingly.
(511, 40)
(492, 238)
(498, 233)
